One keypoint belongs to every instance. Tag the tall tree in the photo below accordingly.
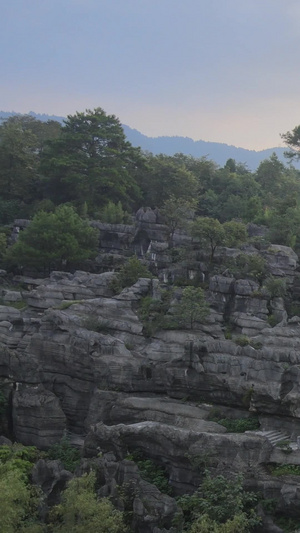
(292, 140)
(92, 162)
(177, 212)
(166, 177)
(209, 232)
(22, 139)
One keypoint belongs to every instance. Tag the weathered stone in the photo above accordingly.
(37, 417)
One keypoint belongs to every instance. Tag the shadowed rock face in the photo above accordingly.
(60, 364)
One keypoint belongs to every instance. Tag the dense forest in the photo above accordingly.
(88, 164)
(61, 177)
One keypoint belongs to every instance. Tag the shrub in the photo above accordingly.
(242, 340)
(284, 470)
(275, 287)
(218, 505)
(240, 425)
(129, 274)
(272, 320)
(151, 472)
(93, 323)
(251, 265)
(66, 453)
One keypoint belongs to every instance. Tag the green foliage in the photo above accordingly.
(246, 399)
(18, 457)
(292, 140)
(272, 320)
(66, 453)
(114, 214)
(129, 274)
(151, 472)
(205, 524)
(191, 308)
(166, 177)
(284, 470)
(68, 303)
(285, 446)
(94, 323)
(80, 510)
(201, 462)
(152, 313)
(18, 499)
(53, 239)
(92, 162)
(235, 233)
(275, 287)
(209, 232)
(239, 425)
(219, 505)
(251, 265)
(242, 340)
(176, 212)
(288, 524)
(21, 304)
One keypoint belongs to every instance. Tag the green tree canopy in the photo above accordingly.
(92, 162)
(81, 511)
(220, 506)
(129, 274)
(209, 232)
(292, 140)
(22, 139)
(191, 308)
(166, 177)
(53, 240)
(177, 212)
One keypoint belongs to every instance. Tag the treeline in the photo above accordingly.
(88, 164)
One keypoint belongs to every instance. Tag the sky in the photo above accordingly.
(213, 70)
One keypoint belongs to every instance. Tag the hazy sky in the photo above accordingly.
(217, 70)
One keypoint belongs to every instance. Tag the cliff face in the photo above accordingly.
(76, 360)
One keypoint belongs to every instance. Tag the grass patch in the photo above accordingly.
(284, 470)
(66, 305)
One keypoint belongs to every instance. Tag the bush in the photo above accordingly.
(129, 274)
(66, 453)
(284, 470)
(251, 265)
(151, 472)
(219, 506)
(93, 323)
(242, 340)
(240, 425)
(275, 287)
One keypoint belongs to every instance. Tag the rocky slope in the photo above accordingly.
(76, 361)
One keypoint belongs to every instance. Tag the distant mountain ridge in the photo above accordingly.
(218, 152)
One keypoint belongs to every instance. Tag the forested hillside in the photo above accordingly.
(88, 164)
(149, 335)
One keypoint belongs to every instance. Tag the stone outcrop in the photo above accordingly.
(76, 361)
